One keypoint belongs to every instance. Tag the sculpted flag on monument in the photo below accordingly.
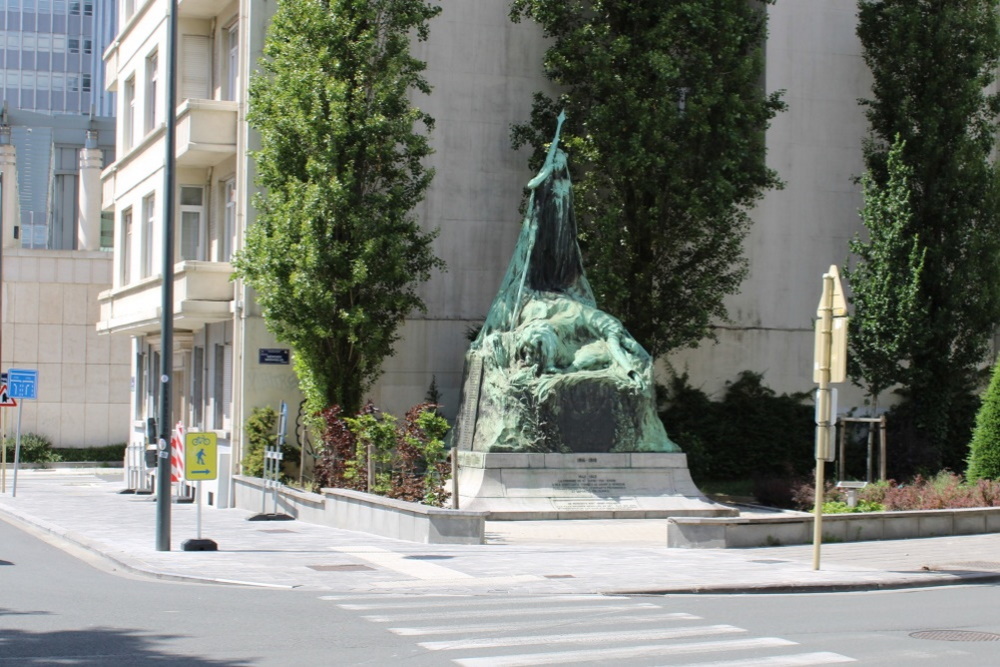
(550, 371)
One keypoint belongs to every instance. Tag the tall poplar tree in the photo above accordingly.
(932, 63)
(885, 281)
(336, 255)
(665, 132)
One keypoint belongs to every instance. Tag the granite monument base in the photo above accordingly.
(533, 487)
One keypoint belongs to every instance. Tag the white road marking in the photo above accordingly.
(796, 660)
(583, 638)
(485, 613)
(444, 601)
(614, 619)
(424, 571)
(625, 653)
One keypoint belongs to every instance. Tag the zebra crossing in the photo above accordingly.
(479, 631)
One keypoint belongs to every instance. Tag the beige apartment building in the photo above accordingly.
(484, 70)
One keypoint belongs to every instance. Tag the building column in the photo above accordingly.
(9, 209)
(89, 225)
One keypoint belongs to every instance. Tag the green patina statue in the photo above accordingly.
(549, 371)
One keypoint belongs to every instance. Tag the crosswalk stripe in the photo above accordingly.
(583, 637)
(625, 653)
(795, 660)
(615, 619)
(482, 613)
(443, 601)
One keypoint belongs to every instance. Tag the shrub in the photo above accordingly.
(258, 433)
(984, 451)
(35, 448)
(751, 433)
(946, 490)
(105, 454)
(408, 459)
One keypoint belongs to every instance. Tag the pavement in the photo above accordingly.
(85, 509)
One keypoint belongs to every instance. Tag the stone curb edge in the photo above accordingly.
(88, 545)
(831, 587)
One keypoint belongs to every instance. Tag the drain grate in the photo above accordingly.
(275, 530)
(340, 568)
(956, 636)
(559, 576)
(768, 561)
(427, 557)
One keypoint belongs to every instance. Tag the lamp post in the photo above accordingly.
(163, 468)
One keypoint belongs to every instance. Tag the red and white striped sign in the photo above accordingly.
(177, 453)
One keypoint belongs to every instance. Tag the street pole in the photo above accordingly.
(823, 410)
(163, 468)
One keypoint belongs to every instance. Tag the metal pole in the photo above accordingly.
(198, 500)
(167, 302)
(17, 449)
(841, 458)
(823, 398)
(454, 477)
(881, 450)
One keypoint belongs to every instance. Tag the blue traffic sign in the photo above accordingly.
(22, 383)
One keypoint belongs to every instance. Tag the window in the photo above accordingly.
(44, 42)
(192, 217)
(222, 387)
(88, 46)
(228, 221)
(28, 41)
(43, 81)
(198, 387)
(58, 43)
(146, 240)
(74, 44)
(196, 70)
(126, 247)
(140, 385)
(107, 231)
(151, 77)
(85, 87)
(232, 61)
(58, 81)
(128, 119)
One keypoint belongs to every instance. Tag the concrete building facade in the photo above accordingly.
(484, 70)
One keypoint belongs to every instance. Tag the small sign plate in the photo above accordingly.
(273, 355)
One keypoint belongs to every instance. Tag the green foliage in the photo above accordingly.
(984, 451)
(35, 448)
(665, 130)
(751, 432)
(841, 507)
(336, 256)
(943, 490)
(933, 64)
(408, 459)
(885, 283)
(258, 433)
(106, 454)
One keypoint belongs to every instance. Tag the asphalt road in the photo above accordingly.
(57, 608)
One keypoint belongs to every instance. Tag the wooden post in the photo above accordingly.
(881, 450)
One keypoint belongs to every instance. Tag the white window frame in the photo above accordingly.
(228, 233)
(148, 231)
(128, 115)
(152, 76)
(126, 247)
(199, 210)
(232, 61)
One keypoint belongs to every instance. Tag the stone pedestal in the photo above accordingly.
(529, 487)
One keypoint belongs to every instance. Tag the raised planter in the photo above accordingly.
(723, 533)
(368, 513)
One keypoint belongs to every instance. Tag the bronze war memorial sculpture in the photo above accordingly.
(558, 412)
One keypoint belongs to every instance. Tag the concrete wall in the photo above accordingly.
(49, 310)
(813, 55)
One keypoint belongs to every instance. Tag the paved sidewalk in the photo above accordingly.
(543, 557)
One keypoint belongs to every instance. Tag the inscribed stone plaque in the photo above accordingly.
(585, 504)
(470, 403)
